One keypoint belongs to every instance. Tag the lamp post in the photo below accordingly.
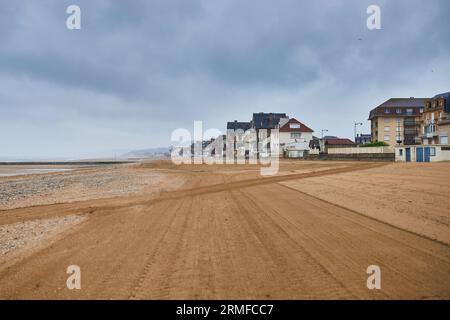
(357, 124)
(324, 130)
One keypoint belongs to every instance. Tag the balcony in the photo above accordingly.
(443, 121)
(429, 135)
(409, 123)
(411, 140)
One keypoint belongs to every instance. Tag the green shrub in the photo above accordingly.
(375, 144)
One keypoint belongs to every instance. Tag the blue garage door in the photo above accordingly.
(408, 154)
(427, 154)
(419, 154)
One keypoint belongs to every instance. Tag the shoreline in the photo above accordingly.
(64, 163)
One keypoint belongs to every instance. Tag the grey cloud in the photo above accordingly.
(139, 69)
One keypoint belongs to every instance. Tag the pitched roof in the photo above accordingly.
(267, 120)
(301, 127)
(235, 125)
(403, 105)
(442, 95)
(446, 96)
(339, 141)
(404, 102)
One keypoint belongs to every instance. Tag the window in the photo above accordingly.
(444, 139)
(294, 125)
(433, 152)
(296, 135)
(387, 138)
(387, 129)
(400, 152)
(398, 111)
(431, 128)
(409, 122)
(398, 129)
(387, 111)
(409, 111)
(398, 138)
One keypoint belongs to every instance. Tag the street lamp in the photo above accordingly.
(357, 124)
(324, 130)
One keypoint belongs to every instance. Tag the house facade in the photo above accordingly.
(263, 124)
(293, 131)
(422, 153)
(266, 121)
(295, 138)
(237, 132)
(361, 139)
(435, 127)
(397, 121)
(335, 142)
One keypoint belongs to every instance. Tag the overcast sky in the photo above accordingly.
(137, 70)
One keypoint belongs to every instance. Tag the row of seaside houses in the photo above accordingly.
(414, 129)
(417, 129)
(296, 139)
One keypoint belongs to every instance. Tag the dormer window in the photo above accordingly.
(398, 110)
(387, 111)
(294, 125)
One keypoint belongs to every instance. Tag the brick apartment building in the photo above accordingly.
(398, 121)
(435, 126)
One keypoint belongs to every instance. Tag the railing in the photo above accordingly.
(431, 134)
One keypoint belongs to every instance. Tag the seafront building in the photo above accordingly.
(397, 121)
(294, 136)
(436, 120)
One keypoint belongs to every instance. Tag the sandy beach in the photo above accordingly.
(154, 230)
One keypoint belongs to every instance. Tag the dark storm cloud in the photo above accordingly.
(139, 69)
